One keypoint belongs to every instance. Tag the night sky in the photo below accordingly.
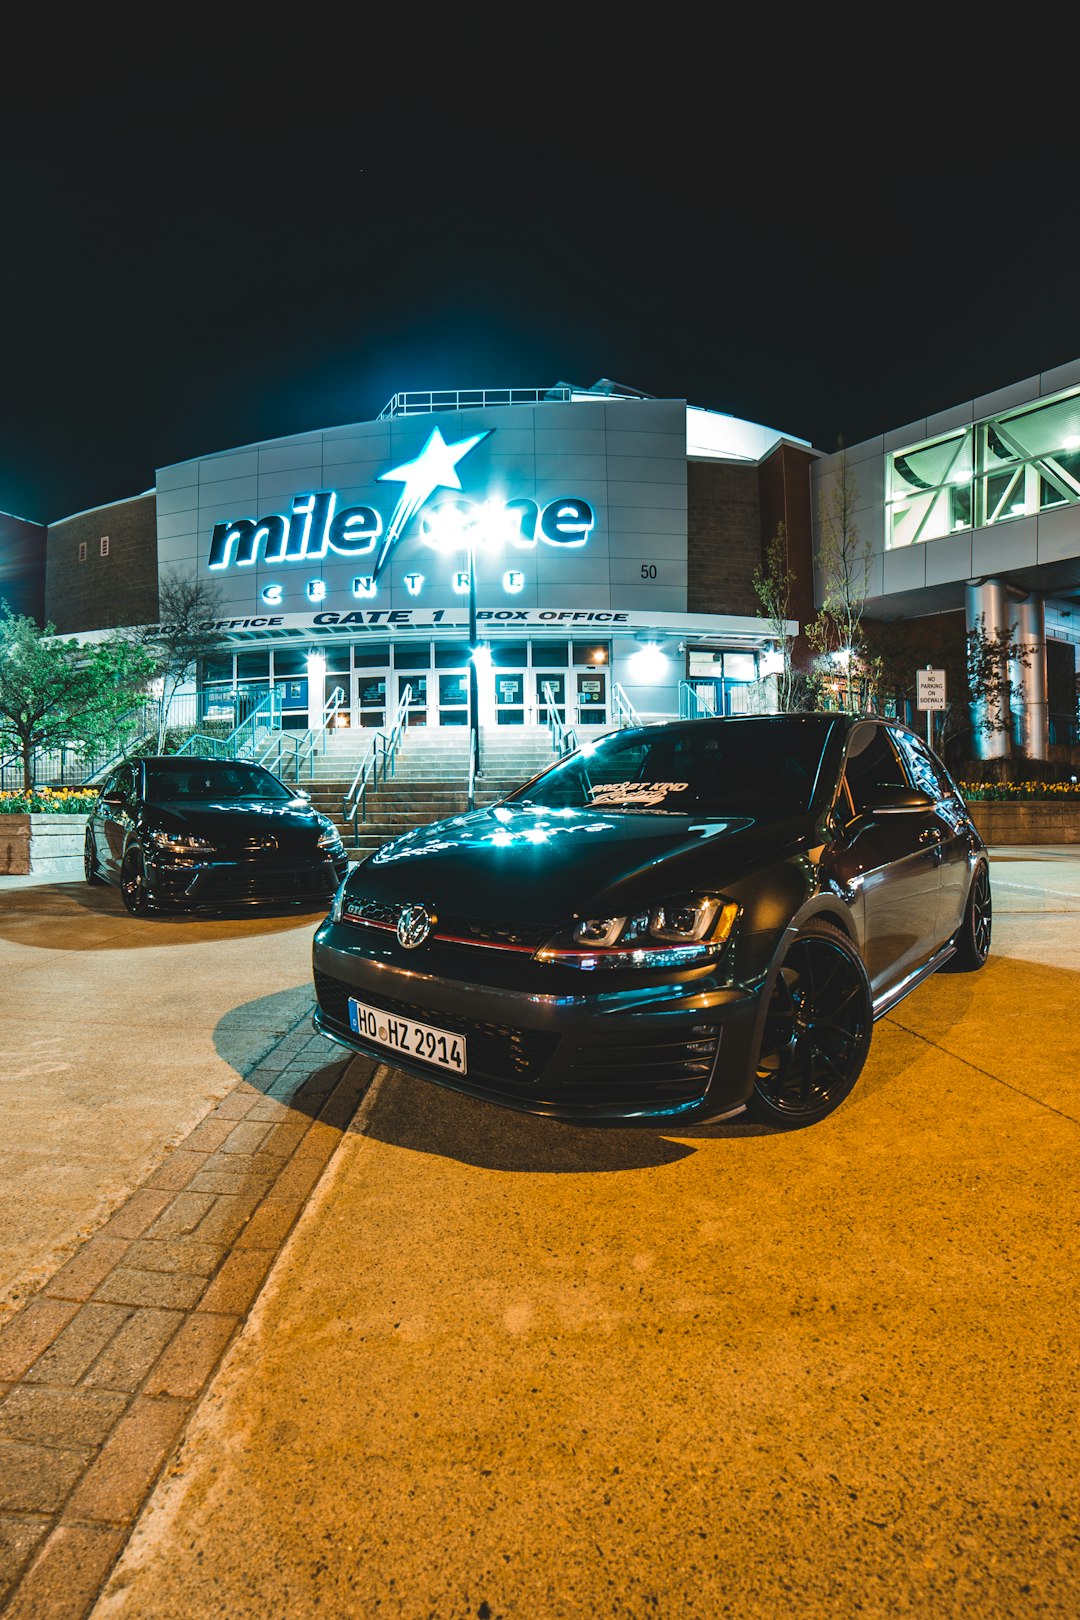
(210, 239)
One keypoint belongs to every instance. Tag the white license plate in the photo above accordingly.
(438, 1046)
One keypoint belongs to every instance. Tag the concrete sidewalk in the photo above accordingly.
(505, 1368)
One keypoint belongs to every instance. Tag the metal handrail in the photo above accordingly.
(304, 745)
(692, 705)
(564, 739)
(624, 709)
(474, 748)
(354, 804)
(231, 747)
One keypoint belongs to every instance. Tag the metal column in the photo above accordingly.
(1031, 723)
(988, 600)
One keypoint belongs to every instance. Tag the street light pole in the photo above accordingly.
(474, 685)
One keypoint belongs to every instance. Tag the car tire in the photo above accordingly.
(972, 938)
(816, 1032)
(133, 882)
(91, 869)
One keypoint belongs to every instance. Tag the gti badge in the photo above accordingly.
(414, 925)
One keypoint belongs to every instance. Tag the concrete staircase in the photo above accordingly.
(430, 780)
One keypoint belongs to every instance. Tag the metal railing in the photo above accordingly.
(474, 766)
(297, 749)
(625, 712)
(245, 740)
(564, 739)
(693, 704)
(379, 759)
(422, 401)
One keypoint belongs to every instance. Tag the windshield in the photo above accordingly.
(212, 779)
(763, 768)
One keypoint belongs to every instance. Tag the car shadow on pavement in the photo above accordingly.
(425, 1118)
(84, 917)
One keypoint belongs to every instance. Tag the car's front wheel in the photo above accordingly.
(972, 939)
(91, 869)
(133, 883)
(817, 1029)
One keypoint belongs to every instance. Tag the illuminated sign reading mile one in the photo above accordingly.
(314, 527)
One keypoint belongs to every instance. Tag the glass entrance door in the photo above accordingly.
(453, 695)
(592, 698)
(509, 696)
(550, 684)
(371, 697)
(417, 683)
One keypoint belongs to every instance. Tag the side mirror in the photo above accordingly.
(896, 801)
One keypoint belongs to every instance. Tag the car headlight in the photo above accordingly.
(329, 837)
(674, 933)
(183, 843)
(338, 901)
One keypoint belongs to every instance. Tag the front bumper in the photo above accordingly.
(195, 885)
(642, 1054)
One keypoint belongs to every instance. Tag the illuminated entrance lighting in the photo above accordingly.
(650, 663)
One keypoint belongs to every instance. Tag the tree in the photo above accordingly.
(774, 586)
(55, 693)
(989, 655)
(184, 634)
(844, 559)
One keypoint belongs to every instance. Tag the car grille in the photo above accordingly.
(462, 930)
(246, 881)
(655, 1070)
(495, 1050)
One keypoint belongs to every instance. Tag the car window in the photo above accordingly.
(221, 780)
(873, 765)
(761, 768)
(108, 787)
(927, 773)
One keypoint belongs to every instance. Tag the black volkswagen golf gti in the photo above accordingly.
(183, 834)
(672, 924)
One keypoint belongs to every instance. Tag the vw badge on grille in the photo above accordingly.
(414, 925)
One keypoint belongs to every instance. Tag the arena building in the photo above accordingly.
(597, 547)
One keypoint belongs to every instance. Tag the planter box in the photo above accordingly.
(42, 845)
(1038, 823)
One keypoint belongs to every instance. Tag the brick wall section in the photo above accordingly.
(784, 484)
(723, 537)
(22, 566)
(103, 593)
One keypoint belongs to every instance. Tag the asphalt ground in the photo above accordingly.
(503, 1367)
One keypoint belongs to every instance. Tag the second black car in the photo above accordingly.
(182, 834)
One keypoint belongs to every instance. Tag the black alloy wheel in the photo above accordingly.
(133, 882)
(817, 1029)
(972, 939)
(91, 869)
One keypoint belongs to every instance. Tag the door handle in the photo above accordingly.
(932, 835)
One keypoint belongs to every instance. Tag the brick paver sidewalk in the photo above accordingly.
(100, 1370)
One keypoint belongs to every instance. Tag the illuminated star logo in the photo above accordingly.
(434, 468)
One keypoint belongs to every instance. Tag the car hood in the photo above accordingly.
(224, 821)
(530, 864)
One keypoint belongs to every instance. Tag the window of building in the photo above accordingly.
(598, 652)
(1018, 464)
(82, 550)
(103, 545)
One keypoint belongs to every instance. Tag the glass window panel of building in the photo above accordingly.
(1018, 464)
